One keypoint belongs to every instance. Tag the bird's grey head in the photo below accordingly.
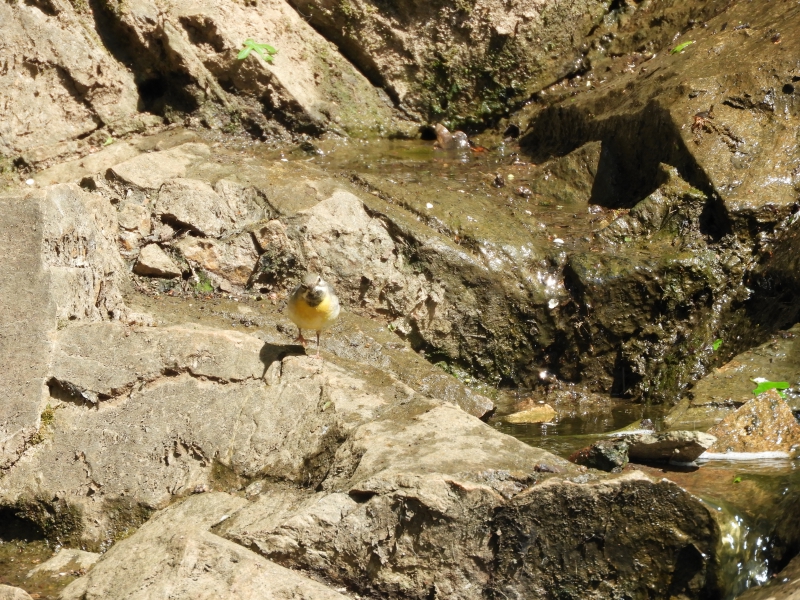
(310, 281)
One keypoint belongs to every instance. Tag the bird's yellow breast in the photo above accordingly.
(313, 317)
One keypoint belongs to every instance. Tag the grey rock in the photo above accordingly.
(80, 251)
(309, 83)
(27, 317)
(105, 360)
(178, 417)
(66, 559)
(62, 264)
(605, 455)
(233, 259)
(354, 251)
(403, 44)
(675, 446)
(134, 217)
(194, 205)
(153, 260)
(8, 592)
(175, 554)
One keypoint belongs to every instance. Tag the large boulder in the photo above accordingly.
(439, 505)
(59, 83)
(187, 55)
(176, 555)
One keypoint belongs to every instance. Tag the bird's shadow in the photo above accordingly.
(270, 353)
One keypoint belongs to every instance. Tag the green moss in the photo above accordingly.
(203, 285)
(80, 6)
(225, 479)
(347, 9)
(47, 418)
(59, 521)
(125, 516)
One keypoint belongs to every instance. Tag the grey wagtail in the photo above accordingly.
(313, 305)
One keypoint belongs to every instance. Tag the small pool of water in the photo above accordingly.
(566, 434)
(749, 496)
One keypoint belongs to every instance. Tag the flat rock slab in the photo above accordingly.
(675, 446)
(763, 424)
(671, 446)
(66, 559)
(149, 171)
(174, 555)
(537, 414)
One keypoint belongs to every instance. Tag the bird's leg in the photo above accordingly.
(317, 344)
(300, 337)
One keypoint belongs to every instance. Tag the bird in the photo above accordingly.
(313, 305)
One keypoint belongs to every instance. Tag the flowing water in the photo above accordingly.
(746, 495)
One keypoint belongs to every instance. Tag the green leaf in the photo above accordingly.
(764, 386)
(264, 55)
(627, 238)
(737, 479)
(681, 47)
(108, 141)
(717, 343)
(265, 51)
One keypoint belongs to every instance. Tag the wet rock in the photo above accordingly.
(605, 455)
(536, 414)
(176, 554)
(8, 592)
(450, 141)
(669, 210)
(763, 424)
(233, 259)
(153, 260)
(66, 559)
(784, 585)
(729, 386)
(674, 446)
(671, 446)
